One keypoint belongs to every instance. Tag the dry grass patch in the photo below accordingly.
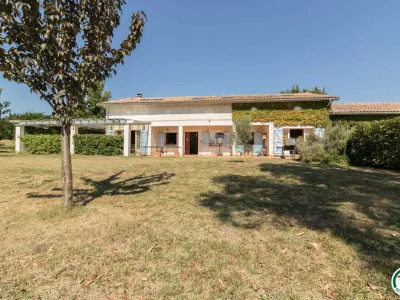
(201, 228)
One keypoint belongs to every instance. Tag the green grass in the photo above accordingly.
(197, 228)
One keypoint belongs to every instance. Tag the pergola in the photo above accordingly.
(76, 123)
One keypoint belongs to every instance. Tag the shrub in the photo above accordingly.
(42, 144)
(98, 144)
(331, 148)
(376, 144)
(6, 130)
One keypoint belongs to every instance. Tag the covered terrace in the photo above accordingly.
(107, 124)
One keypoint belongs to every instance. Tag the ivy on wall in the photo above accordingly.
(284, 113)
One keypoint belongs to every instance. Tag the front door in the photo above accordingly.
(191, 143)
(194, 143)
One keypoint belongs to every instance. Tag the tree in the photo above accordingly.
(60, 49)
(90, 108)
(241, 135)
(6, 130)
(296, 89)
(4, 106)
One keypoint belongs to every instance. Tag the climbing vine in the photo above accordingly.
(285, 113)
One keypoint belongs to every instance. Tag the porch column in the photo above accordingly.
(74, 130)
(180, 140)
(150, 138)
(127, 139)
(19, 133)
(234, 143)
(271, 139)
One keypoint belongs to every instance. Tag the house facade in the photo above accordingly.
(202, 125)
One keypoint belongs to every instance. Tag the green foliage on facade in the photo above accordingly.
(98, 144)
(284, 113)
(331, 148)
(376, 144)
(42, 144)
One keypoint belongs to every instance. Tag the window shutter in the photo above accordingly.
(226, 139)
(143, 141)
(204, 138)
(319, 132)
(278, 135)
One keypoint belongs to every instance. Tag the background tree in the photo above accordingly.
(90, 108)
(6, 130)
(296, 89)
(4, 107)
(242, 134)
(31, 115)
(60, 49)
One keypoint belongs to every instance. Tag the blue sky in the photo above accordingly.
(214, 47)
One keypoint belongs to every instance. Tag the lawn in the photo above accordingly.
(197, 228)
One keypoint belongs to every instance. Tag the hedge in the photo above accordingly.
(42, 144)
(375, 144)
(283, 113)
(98, 144)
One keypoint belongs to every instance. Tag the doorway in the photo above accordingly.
(191, 143)
(135, 141)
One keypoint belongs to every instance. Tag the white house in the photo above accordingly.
(192, 125)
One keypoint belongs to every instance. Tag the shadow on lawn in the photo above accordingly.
(362, 207)
(111, 186)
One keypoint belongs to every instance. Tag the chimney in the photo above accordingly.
(138, 95)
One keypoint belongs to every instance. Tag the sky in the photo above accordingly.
(227, 47)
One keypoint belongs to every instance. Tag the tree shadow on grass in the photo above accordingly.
(111, 186)
(361, 207)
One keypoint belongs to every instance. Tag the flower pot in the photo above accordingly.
(214, 154)
(176, 154)
(138, 153)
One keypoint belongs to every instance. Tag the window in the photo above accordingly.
(171, 138)
(295, 133)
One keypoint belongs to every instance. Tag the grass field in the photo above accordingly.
(197, 228)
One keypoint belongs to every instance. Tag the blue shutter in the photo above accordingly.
(278, 137)
(226, 139)
(204, 138)
(319, 132)
(143, 141)
(258, 138)
(160, 139)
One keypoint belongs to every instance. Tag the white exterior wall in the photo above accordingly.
(160, 114)
(185, 118)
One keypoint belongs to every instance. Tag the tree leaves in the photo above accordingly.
(61, 48)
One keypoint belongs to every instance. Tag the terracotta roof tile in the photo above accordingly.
(365, 108)
(226, 99)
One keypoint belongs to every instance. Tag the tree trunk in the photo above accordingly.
(66, 167)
